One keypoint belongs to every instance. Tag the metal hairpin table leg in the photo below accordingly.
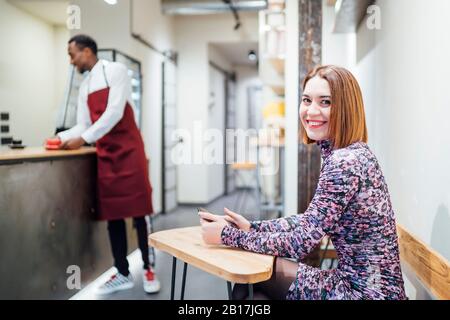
(183, 283)
(250, 291)
(174, 271)
(151, 252)
(230, 297)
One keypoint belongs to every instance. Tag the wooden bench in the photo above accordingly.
(432, 269)
(428, 266)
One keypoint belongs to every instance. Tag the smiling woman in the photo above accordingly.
(315, 109)
(351, 205)
(332, 107)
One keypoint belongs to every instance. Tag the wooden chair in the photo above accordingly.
(239, 168)
(327, 251)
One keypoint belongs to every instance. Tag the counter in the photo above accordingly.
(48, 225)
(39, 153)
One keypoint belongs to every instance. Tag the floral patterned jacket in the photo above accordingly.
(352, 206)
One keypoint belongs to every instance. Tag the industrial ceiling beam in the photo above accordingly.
(196, 7)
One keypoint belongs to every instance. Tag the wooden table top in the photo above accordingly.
(7, 154)
(231, 264)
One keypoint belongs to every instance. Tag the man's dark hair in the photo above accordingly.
(83, 41)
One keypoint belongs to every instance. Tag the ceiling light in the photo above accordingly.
(111, 2)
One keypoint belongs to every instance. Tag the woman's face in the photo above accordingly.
(315, 109)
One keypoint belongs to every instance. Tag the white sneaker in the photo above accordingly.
(150, 281)
(116, 283)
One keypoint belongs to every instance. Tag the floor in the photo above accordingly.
(199, 284)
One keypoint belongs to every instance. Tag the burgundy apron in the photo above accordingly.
(123, 186)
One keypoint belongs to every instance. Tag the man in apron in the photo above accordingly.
(105, 116)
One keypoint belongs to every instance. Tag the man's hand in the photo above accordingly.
(53, 141)
(74, 143)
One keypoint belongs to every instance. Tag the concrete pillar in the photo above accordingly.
(310, 52)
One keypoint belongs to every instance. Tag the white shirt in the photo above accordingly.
(119, 93)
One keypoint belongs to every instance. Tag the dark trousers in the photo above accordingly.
(118, 238)
(276, 288)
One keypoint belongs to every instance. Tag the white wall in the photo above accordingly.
(193, 34)
(110, 26)
(215, 56)
(30, 73)
(403, 71)
(61, 62)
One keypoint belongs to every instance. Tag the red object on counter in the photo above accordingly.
(52, 144)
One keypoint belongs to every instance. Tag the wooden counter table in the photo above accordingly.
(231, 264)
(48, 222)
(39, 153)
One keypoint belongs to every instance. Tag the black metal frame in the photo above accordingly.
(63, 125)
(72, 75)
(163, 137)
(163, 141)
(114, 52)
(225, 167)
(183, 283)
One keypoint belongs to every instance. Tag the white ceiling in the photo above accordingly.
(54, 12)
(51, 11)
(237, 53)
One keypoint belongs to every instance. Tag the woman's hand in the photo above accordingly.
(209, 217)
(212, 226)
(239, 221)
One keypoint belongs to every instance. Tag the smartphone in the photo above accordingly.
(205, 210)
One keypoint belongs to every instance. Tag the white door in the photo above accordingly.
(169, 117)
(216, 121)
(230, 110)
